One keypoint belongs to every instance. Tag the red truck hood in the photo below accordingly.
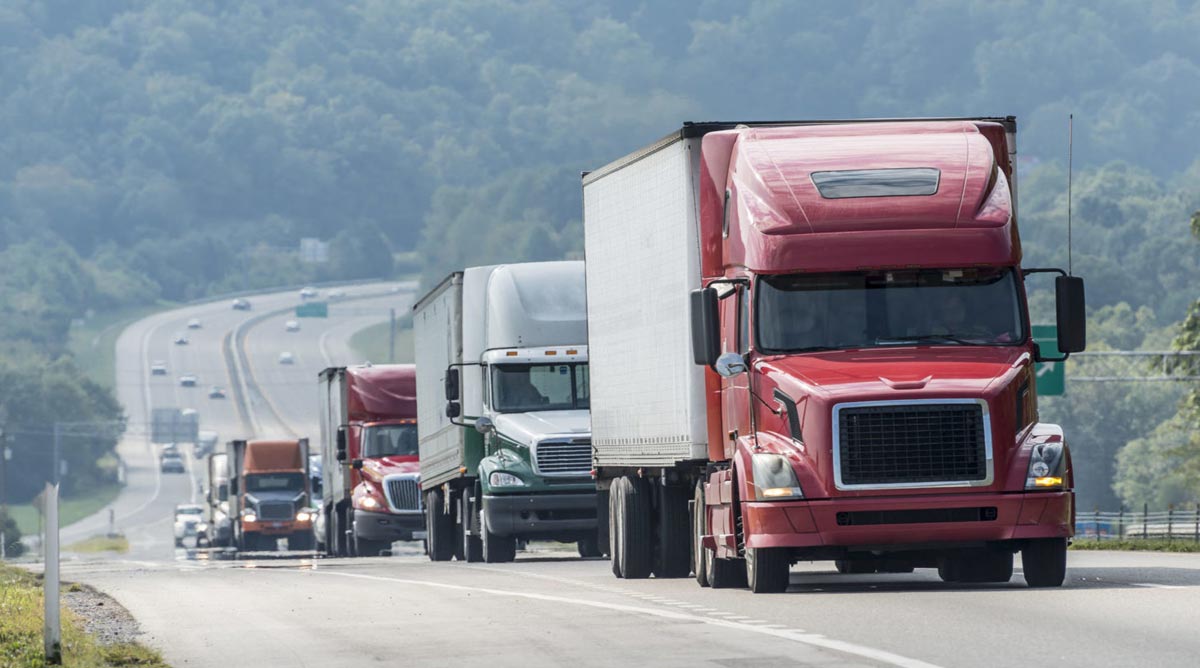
(865, 374)
(385, 466)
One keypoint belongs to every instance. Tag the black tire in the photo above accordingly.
(699, 554)
(602, 536)
(1044, 561)
(614, 529)
(768, 569)
(300, 541)
(725, 573)
(589, 548)
(437, 525)
(634, 545)
(673, 556)
(471, 548)
(856, 566)
(497, 549)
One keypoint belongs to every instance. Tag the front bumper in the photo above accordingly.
(388, 526)
(888, 522)
(540, 514)
(276, 528)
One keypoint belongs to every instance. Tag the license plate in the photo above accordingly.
(419, 535)
(276, 525)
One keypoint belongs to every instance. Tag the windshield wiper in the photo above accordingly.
(926, 338)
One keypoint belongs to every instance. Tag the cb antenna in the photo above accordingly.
(1070, 154)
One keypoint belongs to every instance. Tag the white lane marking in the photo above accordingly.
(811, 639)
(1153, 585)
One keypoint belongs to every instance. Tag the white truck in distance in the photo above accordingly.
(502, 405)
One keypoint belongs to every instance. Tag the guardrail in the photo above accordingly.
(1172, 524)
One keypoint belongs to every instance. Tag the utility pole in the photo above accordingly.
(52, 628)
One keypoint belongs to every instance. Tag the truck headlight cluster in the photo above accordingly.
(1046, 464)
(249, 516)
(502, 479)
(774, 478)
(303, 516)
(368, 502)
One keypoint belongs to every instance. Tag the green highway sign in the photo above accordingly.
(1051, 376)
(313, 310)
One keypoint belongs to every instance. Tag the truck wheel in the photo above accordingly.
(1044, 561)
(589, 548)
(768, 569)
(437, 526)
(674, 553)
(496, 549)
(725, 573)
(699, 554)
(634, 547)
(300, 541)
(602, 537)
(472, 546)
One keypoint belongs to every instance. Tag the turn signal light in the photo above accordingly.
(1048, 481)
(511, 353)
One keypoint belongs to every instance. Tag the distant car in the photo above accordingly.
(188, 380)
(337, 294)
(171, 463)
(171, 449)
(240, 304)
(189, 522)
(215, 392)
(158, 368)
(181, 339)
(308, 292)
(194, 323)
(286, 358)
(291, 326)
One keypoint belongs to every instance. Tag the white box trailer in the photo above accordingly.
(643, 260)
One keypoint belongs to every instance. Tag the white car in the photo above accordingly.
(308, 292)
(158, 368)
(188, 380)
(181, 339)
(286, 358)
(291, 326)
(189, 522)
(194, 323)
(240, 304)
(337, 294)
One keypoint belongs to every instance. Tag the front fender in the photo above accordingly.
(509, 461)
(770, 442)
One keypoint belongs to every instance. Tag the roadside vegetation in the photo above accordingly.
(92, 339)
(21, 609)
(1149, 545)
(70, 509)
(118, 544)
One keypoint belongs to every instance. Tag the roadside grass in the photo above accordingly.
(21, 631)
(1147, 545)
(371, 343)
(117, 544)
(70, 510)
(93, 341)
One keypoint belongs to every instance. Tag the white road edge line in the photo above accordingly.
(811, 639)
(1154, 585)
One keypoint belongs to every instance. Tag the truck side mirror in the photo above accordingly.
(357, 464)
(452, 385)
(706, 339)
(1071, 314)
(484, 425)
(453, 409)
(341, 443)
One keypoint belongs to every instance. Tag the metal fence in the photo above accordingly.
(1172, 524)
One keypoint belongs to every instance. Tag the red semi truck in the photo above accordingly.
(825, 355)
(370, 470)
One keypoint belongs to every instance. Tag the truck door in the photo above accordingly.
(735, 391)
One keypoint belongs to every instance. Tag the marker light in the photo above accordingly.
(572, 352)
(551, 352)
(511, 353)
(1048, 481)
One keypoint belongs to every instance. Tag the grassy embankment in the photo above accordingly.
(93, 342)
(69, 510)
(118, 544)
(21, 631)
(1150, 545)
(371, 343)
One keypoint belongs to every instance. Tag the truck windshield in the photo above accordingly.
(518, 388)
(974, 306)
(392, 440)
(275, 482)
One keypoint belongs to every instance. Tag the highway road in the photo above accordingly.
(550, 608)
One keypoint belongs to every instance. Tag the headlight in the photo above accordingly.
(249, 517)
(368, 502)
(201, 527)
(303, 516)
(502, 479)
(774, 478)
(1046, 464)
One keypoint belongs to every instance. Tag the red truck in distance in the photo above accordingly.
(840, 365)
(370, 472)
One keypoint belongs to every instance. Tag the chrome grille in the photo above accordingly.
(275, 510)
(573, 457)
(403, 493)
(917, 444)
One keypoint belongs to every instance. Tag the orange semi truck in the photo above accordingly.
(269, 494)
